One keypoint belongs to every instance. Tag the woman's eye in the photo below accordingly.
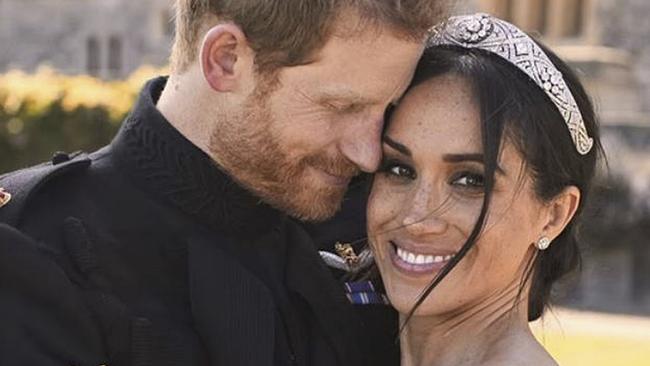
(469, 180)
(401, 171)
(398, 170)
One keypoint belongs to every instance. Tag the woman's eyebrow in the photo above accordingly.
(459, 158)
(449, 158)
(397, 146)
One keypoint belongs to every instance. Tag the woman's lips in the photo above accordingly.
(413, 263)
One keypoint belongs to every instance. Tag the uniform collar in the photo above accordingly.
(162, 161)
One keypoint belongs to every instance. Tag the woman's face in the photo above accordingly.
(427, 196)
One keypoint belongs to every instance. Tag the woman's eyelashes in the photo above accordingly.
(397, 169)
(468, 180)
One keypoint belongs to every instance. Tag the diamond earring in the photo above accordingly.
(543, 243)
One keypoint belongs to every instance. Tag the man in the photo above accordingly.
(179, 243)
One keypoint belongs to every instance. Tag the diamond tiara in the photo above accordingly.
(488, 33)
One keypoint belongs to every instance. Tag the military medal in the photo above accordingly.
(346, 252)
(5, 197)
(346, 259)
(364, 293)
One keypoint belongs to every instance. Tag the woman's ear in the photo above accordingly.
(561, 210)
(223, 48)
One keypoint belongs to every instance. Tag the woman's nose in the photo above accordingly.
(424, 216)
(419, 225)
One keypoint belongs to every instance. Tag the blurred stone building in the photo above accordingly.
(104, 38)
(608, 43)
(605, 40)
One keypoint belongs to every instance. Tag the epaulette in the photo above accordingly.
(16, 188)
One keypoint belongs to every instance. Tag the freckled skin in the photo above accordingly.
(436, 118)
(432, 208)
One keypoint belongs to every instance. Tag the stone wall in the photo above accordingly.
(625, 25)
(58, 33)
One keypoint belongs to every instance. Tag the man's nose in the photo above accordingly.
(361, 143)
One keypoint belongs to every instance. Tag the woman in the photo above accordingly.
(488, 161)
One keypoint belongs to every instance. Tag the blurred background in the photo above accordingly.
(70, 70)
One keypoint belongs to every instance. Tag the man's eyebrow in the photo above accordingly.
(397, 146)
(344, 96)
(459, 158)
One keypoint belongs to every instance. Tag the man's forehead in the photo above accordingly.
(356, 94)
(368, 45)
(365, 76)
(376, 74)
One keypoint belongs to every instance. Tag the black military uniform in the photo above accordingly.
(146, 253)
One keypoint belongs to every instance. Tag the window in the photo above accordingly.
(115, 55)
(505, 9)
(530, 15)
(500, 8)
(539, 12)
(574, 20)
(550, 18)
(93, 65)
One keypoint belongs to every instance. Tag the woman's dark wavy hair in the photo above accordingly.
(514, 107)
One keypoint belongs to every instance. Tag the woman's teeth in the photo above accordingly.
(413, 258)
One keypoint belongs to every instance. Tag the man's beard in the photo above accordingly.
(247, 148)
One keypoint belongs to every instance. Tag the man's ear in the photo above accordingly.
(223, 47)
(561, 210)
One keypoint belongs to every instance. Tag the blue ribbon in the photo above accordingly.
(364, 293)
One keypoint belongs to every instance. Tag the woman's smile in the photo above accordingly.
(417, 260)
(473, 186)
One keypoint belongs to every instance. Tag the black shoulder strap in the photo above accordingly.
(23, 184)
